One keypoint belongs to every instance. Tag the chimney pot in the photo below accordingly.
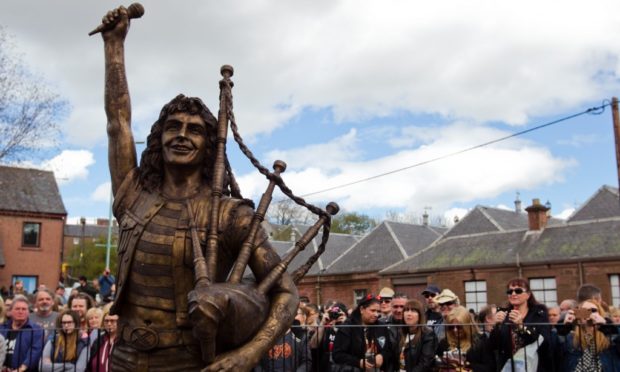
(537, 215)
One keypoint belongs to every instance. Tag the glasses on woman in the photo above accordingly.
(515, 291)
(386, 300)
(449, 303)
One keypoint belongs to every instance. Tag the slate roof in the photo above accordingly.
(593, 232)
(571, 241)
(387, 243)
(604, 203)
(488, 219)
(90, 231)
(29, 190)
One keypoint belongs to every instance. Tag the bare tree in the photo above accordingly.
(29, 110)
(286, 212)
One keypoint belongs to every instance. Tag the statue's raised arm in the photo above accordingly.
(121, 147)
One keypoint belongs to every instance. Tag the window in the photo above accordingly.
(544, 289)
(30, 282)
(614, 280)
(32, 232)
(76, 241)
(358, 294)
(475, 294)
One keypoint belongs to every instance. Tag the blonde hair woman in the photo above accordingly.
(586, 347)
(464, 348)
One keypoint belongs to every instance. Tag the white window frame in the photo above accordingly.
(614, 282)
(475, 294)
(545, 290)
(359, 294)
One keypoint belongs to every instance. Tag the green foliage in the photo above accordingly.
(92, 261)
(352, 223)
(282, 234)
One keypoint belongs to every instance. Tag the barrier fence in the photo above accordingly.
(557, 349)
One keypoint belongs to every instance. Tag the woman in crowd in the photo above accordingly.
(364, 347)
(94, 317)
(102, 343)
(523, 322)
(586, 347)
(417, 342)
(65, 350)
(464, 348)
(322, 341)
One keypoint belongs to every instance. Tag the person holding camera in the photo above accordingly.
(106, 286)
(363, 346)
(587, 348)
(521, 333)
(322, 341)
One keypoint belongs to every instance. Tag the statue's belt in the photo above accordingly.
(148, 338)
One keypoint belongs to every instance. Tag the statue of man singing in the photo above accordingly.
(155, 269)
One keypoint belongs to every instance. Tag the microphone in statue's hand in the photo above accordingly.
(135, 10)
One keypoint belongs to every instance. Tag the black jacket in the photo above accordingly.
(420, 356)
(501, 339)
(350, 347)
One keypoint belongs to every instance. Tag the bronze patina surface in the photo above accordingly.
(187, 235)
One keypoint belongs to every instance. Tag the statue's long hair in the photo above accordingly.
(152, 161)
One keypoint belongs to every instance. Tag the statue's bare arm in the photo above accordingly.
(121, 147)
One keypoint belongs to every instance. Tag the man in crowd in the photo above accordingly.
(554, 314)
(80, 303)
(386, 295)
(433, 314)
(60, 294)
(446, 301)
(86, 288)
(44, 315)
(24, 338)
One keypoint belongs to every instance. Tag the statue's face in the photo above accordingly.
(184, 139)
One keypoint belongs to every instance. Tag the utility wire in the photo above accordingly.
(592, 111)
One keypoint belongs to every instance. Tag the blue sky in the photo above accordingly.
(344, 90)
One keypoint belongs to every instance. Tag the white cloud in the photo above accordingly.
(102, 193)
(69, 165)
(482, 173)
(452, 213)
(565, 213)
(362, 59)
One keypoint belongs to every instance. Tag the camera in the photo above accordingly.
(334, 314)
(504, 309)
(582, 314)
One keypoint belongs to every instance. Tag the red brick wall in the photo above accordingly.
(567, 275)
(43, 261)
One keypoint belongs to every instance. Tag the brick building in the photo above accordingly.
(488, 247)
(32, 217)
(350, 272)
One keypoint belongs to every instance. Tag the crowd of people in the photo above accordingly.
(56, 331)
(392, 332)
(47, 331)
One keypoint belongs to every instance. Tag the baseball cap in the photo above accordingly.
(431, 288)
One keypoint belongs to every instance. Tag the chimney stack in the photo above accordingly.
(518, 204)
(425, 219)
(537, 215)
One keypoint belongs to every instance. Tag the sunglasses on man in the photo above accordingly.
(449, 303)
(429, 295)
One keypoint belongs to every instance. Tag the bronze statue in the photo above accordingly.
(187, 235)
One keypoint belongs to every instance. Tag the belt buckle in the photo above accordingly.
(143, 338)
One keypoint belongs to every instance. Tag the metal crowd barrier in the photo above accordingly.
(293, 351)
